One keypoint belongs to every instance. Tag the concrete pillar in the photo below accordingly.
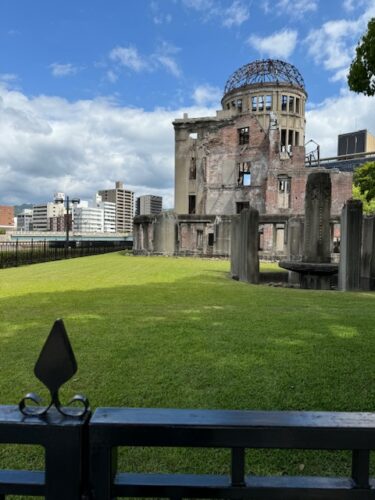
(350, 246)
(248, 247)
(368, 254)
(235, 247)
(317, 234)
(164, 240)
(295, 246)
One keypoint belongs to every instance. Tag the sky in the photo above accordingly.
(89, 88)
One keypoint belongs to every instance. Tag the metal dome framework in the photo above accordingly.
(265, 71)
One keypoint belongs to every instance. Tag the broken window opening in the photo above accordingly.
(193, 169)
(296, 139)
(268, 102)
(291, 104)
(283, 195)
(283, 139)
(233, 103)
(254, 101)
(243, 135)
(260, 103)
(211, 239)
(242, 205)
(199, 238)
(192, 204)
(290, 138)
(244, 174)
(297, 105)
(239, 105)
(284, 101)
(228, 106)
(193, 135)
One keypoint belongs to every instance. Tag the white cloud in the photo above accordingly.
(49, 144)
(60, 70)
(159, 17)
(338, 115)
(205, 95)
(290, 8)
(128, 57)
(234, 15)
(170, 64)
(333, 44)
(279, 44)
(350, 5)
(112, 76)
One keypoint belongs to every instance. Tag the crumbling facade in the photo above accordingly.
(251, 154)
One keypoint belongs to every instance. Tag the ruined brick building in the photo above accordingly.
(251, 153)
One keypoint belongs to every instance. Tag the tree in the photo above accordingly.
(364, 186)
(361, 76)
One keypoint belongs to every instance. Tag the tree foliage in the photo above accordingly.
(368, 206)
(361, 76)
(364, 181)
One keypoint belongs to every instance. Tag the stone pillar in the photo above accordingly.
(235, 247)
(248, 246)
(295, 246)
(368, 254)
(164, 240)
(350, 246)
(317, 234)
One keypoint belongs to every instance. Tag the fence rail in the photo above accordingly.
(72, 443)
(19, 253)
(81, 449)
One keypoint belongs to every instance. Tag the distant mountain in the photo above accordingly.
(18, 208)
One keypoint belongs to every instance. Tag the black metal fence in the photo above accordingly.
(71, 444)
(81, 449)
(19, 253)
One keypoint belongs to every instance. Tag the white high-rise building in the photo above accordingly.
(124, 200)
(87, 219)
(25, 220)
(109, 214)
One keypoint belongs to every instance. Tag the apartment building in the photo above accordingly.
(87, 219)
(25, 220)
(148, 204)
(45, 211)
(6, 216)
(124, 202)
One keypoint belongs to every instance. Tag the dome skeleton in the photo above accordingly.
(265, 71)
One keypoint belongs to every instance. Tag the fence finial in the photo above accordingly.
(55, 366)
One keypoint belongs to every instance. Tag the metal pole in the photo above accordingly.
(67, 223)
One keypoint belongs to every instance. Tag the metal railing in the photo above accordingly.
(19, 253)
(81, 450)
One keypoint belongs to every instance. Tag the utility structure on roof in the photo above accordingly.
(251, 154)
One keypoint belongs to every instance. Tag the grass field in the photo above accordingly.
(179, 333)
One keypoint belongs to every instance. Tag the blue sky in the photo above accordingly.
(88, 88)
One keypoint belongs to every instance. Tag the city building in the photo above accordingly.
(6, 217)
(25, 220)
(43, 212)
(148, 204)
(109, 214)
(355, 142)
(87, 219)
(124, 201)
(251, 153)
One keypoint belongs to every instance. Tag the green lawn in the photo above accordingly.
(179, 333)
